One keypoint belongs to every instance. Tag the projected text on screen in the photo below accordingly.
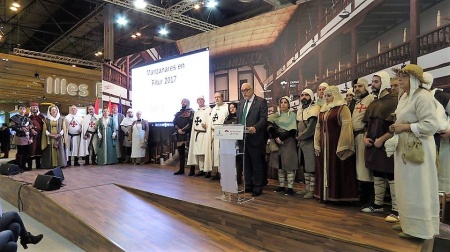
(159, 87)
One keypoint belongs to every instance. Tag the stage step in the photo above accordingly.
(122, 221)
(269, 235)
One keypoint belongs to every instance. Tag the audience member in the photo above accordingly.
(5, 140)
(12, 222)
(7, 242)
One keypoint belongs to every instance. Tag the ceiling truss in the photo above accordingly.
(173, 16)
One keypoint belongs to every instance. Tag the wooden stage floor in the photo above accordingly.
(147, 208)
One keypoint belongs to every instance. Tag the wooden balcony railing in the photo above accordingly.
(114, 75)
(437, 39)
(386, 59)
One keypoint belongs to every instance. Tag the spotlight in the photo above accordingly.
(344, 14)
(122, 21)
(140, 4)
(163, 31)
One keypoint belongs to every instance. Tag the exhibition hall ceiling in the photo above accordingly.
(76, 28)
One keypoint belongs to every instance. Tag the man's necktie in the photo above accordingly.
(244, 113)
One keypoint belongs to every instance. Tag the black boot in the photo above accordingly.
(208, 175)
(38, 162)
(181, 153)
(30, 239)
(200, 173)
(179, 172)
(216, 177)
(29, 166)
(192, 171)
(75, 163)
(69, 161)
(86, 160)
(93, 157)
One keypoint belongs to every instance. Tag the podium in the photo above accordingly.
(228, 134)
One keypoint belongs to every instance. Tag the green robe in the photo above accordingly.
(106, 146)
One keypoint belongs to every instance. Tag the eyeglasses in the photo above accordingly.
(245, 90)
(328, 95)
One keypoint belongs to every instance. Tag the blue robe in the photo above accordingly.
(106, 146)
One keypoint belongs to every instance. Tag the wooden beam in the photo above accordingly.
(414, 19)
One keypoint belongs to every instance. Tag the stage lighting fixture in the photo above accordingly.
(313, 44)
(211, 4)
(140, 4)
(344, 14)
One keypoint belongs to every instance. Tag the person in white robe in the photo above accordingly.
(200, 142)
(443, 144)
(416, 184)
(89, 141)
(73, 135)
(218, 115)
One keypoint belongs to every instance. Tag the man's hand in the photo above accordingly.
(251, 130)
(180, 132)
(317, 153)
(368, 142)
(378, 143)
(445, 134)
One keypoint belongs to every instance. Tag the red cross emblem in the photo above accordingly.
(361, 107)
(73, 123)
(91, 124)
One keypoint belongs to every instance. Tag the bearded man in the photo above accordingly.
(378, 117)
(74, 129)
(364, 175)
(307, 119)
(20, 124)
(218, 115)
(37, 123)
(89, 133)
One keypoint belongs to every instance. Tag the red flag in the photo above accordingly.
(109, 105)
(96, 106)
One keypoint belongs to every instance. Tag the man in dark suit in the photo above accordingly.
(252, 113)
